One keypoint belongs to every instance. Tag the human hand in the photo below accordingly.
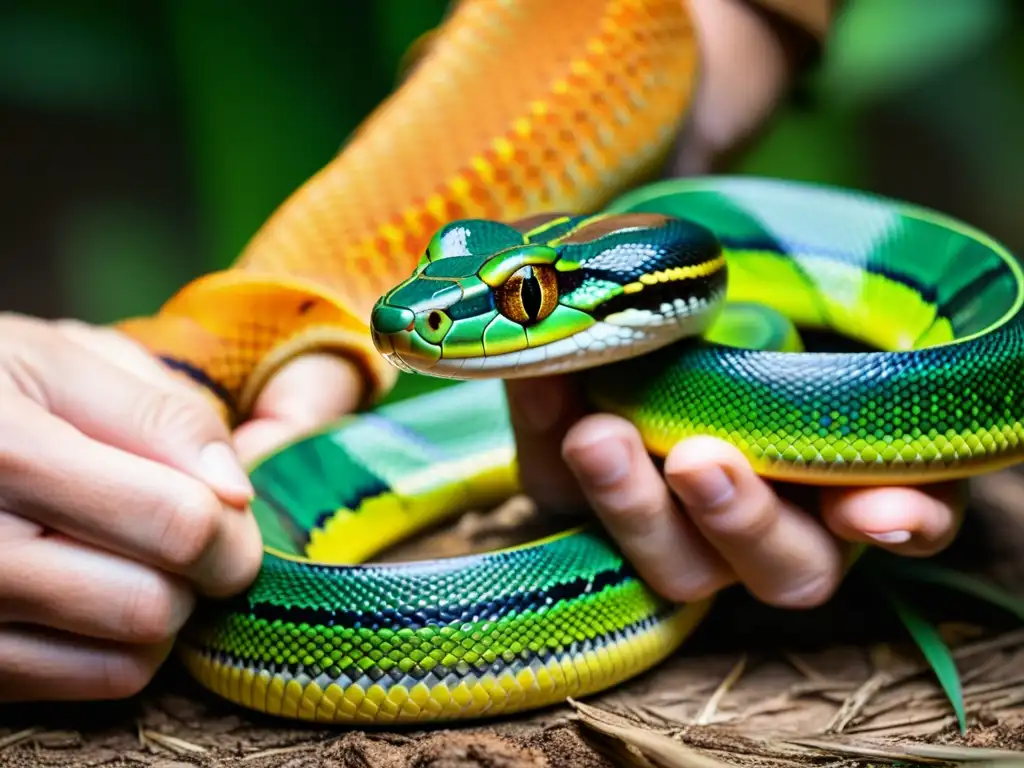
(707, 520)
(120, 501)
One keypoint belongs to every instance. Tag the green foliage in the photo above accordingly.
(935, 651)
(924, 633)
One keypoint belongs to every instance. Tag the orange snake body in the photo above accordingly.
(515, 109)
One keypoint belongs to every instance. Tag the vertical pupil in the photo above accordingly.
(531, 294)
(434, 320)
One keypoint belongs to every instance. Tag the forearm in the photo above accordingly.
(751, 53)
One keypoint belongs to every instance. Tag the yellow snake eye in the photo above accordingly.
(529, 295)
(433, 325)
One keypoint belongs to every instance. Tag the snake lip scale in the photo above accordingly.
(526, 243)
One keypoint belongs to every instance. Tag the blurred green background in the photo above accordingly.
(144, 143)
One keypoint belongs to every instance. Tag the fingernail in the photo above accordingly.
(706, 489)
(538, 403)
(891, 537)
(602, 463)
(222, 470)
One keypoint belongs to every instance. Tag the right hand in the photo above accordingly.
(121, 501)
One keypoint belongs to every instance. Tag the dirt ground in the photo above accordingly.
(836, 686)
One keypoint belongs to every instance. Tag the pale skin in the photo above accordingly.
(122, 497)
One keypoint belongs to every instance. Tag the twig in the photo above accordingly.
(278, 751)
(656, 747)
(857, 701)
(919, 720)
(711, 706)
(804, 668)
(18, 736)
(937, 753)
(173, 743)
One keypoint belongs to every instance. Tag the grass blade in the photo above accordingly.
(935, 651)
(930, 573)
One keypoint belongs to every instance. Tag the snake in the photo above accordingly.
(498, 217)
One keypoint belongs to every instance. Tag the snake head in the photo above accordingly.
(493, 300)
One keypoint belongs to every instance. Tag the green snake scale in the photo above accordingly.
(679, 303)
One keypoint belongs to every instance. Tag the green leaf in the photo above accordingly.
(935, 651)
(931, 573)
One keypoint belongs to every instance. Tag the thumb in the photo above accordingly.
(307, 393)
(151, 416)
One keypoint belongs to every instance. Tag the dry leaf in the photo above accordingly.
(661, 750)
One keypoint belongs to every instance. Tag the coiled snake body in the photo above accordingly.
(680, 298)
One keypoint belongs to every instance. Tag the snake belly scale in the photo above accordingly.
(679, 304)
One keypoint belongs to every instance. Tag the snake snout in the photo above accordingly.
(387, 319)
(393, 330)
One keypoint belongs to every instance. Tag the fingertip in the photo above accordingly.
(602, 449)
(913, 521)
(222, 470)
(256, 439)
(709, 474)
(779, 553)
(310, 390)
(701, 452)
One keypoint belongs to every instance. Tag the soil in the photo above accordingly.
(841, 685)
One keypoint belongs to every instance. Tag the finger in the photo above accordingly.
(55, 475)
(305, 394)
(541, 411)
(780, 553)
(919, 521)
(41, 665)
(630, 497)
(119, 349)
(63, 584)
(166, 423)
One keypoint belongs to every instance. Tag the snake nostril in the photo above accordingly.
(388, 319)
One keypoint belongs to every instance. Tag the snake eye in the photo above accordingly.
(433, 325)
(529, 295)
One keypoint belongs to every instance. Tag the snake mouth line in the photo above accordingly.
(606, 341)
(396, 360)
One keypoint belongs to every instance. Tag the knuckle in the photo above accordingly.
(810, 592)
(17, 459)
(636, 512)
(688, 588)
(236, 567)
(190, 527)
(164, 413)
(747, 520)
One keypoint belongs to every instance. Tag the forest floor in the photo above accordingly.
(841, 685)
